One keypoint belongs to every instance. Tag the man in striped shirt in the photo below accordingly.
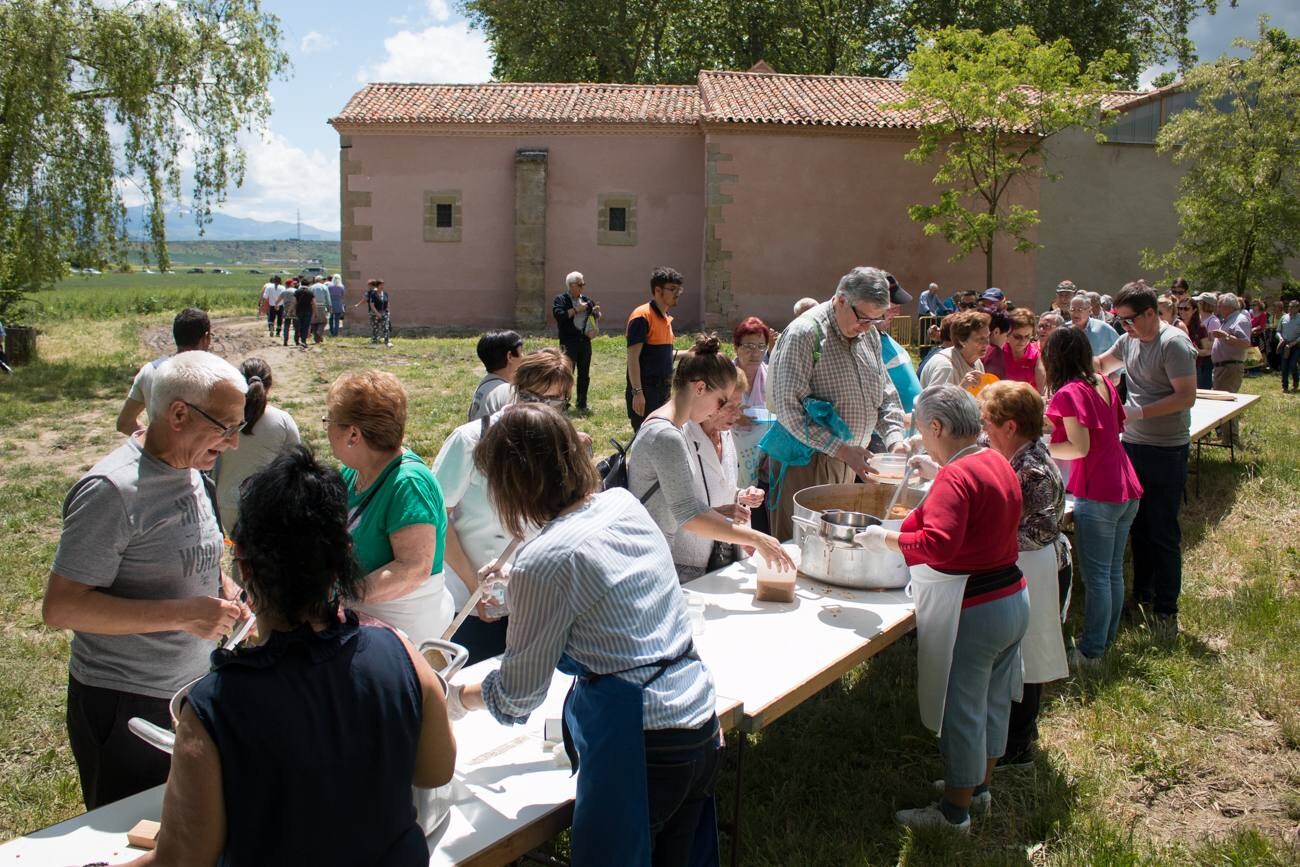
(832, 353)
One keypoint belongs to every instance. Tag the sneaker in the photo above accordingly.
(4, 365)
(981, 803)
(1081, 664)
(930, 817)
(1165, 627)
(1020, 761)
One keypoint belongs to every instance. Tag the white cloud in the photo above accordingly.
(438, 9)
(449, 53)
(280, 179)
(316, 41)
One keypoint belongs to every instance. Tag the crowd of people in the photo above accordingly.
(349, 567)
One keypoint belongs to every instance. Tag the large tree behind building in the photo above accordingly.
(645, 41)
(95, 96)
(1239, 201)
(990, 103)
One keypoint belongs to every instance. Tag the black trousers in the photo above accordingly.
(579, 349)
(681, 776)
(1156, 537)
(113, 763)
(274, 319)
(656, 395)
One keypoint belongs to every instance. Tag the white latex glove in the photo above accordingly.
(914, 445)
(486, 574)
(924, 466)
(1132, 411)
(455, 707)
(872, 539)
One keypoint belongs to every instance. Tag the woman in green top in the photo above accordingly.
(395, 507)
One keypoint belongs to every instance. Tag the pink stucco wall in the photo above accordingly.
(471, 282)
(808, 206)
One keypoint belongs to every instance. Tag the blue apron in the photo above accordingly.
(611, 815)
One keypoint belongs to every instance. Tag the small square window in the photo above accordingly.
(443, 219)
(618, 219)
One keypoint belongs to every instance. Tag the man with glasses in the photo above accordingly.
(1159, 361)
(191, 330)
(1100, 335)
(500, 352)
(650, 347)
(575, 317)
(137, 574)
(832, 354)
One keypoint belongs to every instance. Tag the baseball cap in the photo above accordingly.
(1206, 298)
(897, 294)
(1065, 287)
(994, 294)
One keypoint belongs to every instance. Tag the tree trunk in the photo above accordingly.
(988, 268)
(20, 344)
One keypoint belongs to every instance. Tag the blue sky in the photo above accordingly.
(336, 47)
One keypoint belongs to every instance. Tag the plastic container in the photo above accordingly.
(774, 585)
(889, 467)
(695, 612)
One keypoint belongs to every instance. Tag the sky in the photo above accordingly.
(337, 47)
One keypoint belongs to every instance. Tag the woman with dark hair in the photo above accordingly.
(267, 431)
(594, 594)
(960, 364)
(1087, 419)
(324, 725)
(661, 462)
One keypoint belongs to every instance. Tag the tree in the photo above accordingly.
(990, 103)
(96, 95)
(671, 40)
(1239, 201)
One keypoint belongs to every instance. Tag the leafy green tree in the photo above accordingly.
(1239, 200)
(990, 104)
(96, 95)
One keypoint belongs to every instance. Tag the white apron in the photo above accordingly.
(1043, 647)
(938, 598)
(422, 614)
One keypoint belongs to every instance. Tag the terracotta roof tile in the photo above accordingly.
(802, 100)
(521, 103)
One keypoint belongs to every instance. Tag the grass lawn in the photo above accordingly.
(1176, 753)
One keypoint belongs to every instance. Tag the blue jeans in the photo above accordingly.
(1291, 366)
(1157, 537)
(1100, 533)
(336, 319)
(986, 663)
(681, 778)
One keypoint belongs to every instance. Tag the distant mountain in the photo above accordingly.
(181, 227)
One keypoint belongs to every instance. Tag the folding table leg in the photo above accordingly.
(736, 803)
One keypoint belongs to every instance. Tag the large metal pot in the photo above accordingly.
(842, 562)
(431, 805)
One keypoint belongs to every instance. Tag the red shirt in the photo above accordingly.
(969, 521)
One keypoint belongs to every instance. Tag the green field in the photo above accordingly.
(1183, 752)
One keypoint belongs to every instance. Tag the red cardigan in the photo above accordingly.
(969, 521)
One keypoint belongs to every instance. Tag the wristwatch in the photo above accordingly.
(636, 391)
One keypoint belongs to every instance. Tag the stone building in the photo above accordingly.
(474, 201)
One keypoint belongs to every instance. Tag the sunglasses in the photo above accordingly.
(1185, 307)
(1127, 321)
(226, 432)
(561, 404)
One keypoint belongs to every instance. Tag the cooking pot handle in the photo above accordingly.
(154, 735)
(457, 655)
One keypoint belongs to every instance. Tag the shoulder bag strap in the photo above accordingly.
(354, 514)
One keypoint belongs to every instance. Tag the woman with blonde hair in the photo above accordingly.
(395, 508)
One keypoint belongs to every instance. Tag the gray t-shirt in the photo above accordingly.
(137, 528)
(1151, 369)
(274, 431)
(660, 453)
(491, 394)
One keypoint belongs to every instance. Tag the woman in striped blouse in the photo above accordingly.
(595, 594)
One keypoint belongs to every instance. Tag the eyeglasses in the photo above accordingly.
(674, 288)
(1021, 337)
(558, 402)
(1185, 307)
(865, 320)
(752, 347)
(327, 421)
(226, 432)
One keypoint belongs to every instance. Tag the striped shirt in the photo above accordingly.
(599, 585)
(850, 374)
